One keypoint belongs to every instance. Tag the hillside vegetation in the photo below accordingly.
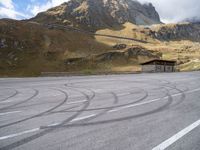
(28, 48)
(78, 36)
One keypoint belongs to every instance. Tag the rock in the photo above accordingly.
(129, 53)
(3, 43)
(182, 31)
(100, 13)
(16, 43)
(120, 46)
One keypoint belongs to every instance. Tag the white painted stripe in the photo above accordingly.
(8, 101)
(177, 136)
(195, 90)
(54, 124)
(123, 94)
(89, 116)
(37, 129)
(7, 113)
(18, 134)
(82, 118)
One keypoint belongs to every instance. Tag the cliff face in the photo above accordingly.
(184, 31)
(100, 13)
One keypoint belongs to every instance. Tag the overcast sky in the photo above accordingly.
(169, 10)
(176, 10)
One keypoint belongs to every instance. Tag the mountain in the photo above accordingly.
(29, 48)
(100, 13)
(89, 36)
(179, 31)
(192, 20)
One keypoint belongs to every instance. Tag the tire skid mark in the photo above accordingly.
(93, 116)
(173, 86)
(85, 105)
(112, 107)
(13, 95)
(115, 101)
(105, 111)
(35, 104)
(63, 111)
(63, 124)
(78, 105)
(164, 106)
(40, 114)
(170, 100)
(47, 130)
(36, 92)
(183, 96)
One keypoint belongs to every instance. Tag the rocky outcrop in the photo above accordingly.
(128, 54)
(184, 31)
(100, 13)
(119, 46)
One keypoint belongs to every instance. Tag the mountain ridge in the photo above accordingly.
(100, 13)
(55, 41)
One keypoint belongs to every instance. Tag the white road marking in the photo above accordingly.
(54, 124)
(6, 101)
(177, 136)
(37, 129)
(195, 90)
(174, 138)
(7, 113)
(82, 118)
(124, 94)
(18, 134)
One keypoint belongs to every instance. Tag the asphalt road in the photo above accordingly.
(114, 112)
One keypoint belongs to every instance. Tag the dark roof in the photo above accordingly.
(158, 60)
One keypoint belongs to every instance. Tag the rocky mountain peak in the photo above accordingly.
(100, 13)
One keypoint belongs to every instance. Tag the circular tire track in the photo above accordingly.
(164, 106)
(85, 106)
(122, 105)
(48, 130)
(172, 86)
(13, 95)
(22, 102)
(40, 114)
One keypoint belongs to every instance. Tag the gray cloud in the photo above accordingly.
(176, 10)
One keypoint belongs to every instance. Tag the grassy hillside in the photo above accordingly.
(184, 51)
(127, 30)
(29, 48)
